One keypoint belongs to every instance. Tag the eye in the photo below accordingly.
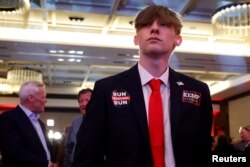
(165, 25)
(146, 25)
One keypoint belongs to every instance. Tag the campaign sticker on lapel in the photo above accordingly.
(191, 97)
(120, 98)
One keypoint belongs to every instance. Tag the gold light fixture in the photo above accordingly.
(16, 77)
(10, 7)
(232, 20)
(5, 88)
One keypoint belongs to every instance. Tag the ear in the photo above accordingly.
(178, 40)
(136, 40)
(30, 97)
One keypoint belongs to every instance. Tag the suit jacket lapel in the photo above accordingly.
(132, 76)
(137, 99)
(28, 125)
(175, 102)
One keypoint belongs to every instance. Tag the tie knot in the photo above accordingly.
(155, 84)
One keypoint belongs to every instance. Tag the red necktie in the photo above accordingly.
(156, 129)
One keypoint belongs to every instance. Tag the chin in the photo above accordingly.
(155, 52)
(155, 55)
(39, 111)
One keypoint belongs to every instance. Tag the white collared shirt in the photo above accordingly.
(145, 77)
(33, 117)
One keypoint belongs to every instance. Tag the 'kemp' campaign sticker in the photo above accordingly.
(120, 98)
(191, 97)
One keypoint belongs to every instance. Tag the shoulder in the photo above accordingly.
(11, 118)
(120, 76)
(177, 76)
(10, 113)
(77, 120)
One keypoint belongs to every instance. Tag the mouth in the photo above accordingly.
(153, 39)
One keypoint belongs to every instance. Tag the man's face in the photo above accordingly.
(83, 101)
(38, 100)
(158, 38)
(245, 135)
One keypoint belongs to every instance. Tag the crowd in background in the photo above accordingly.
(224, 146)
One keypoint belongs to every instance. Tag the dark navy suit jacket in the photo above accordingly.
(116, 123)
(19, 142)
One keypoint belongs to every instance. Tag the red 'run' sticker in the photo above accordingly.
(120, 98)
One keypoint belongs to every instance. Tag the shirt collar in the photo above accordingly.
(145, 76)
(30, 114)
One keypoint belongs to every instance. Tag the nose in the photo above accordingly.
(85, 102)
(154, 27)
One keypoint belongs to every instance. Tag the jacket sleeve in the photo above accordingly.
(207, 119)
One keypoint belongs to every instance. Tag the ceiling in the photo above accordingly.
(76, 42)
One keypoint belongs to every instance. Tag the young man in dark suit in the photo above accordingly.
(118, 120)
(23, 141)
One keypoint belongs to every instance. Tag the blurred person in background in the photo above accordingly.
(83, 99)
(223, 146)
(244, 143)
(23, 139)
(243, 146)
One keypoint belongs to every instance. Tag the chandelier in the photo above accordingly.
(232, 20)
(16, 77)
(5, 88)
(20, 7)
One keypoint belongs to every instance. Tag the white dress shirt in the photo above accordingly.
(165, 94)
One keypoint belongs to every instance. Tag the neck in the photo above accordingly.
(83, 112)
(27, 106)
(155, 67)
